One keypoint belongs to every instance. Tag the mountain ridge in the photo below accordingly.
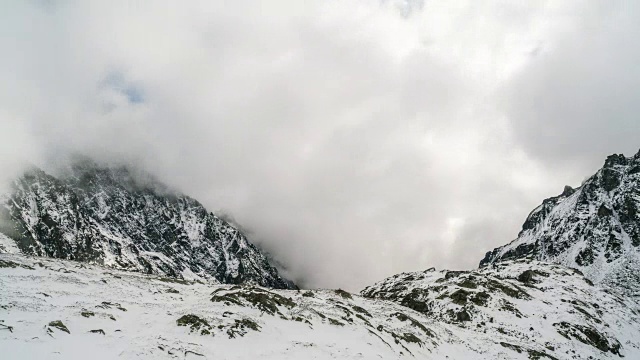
(594, 228)
(106, 215)
(566, 288)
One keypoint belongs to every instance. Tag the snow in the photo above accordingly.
(505, 309)
(145, 310)
(147, 329)
(8, 245)
(571, 231)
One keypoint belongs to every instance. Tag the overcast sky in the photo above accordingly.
(354, 138)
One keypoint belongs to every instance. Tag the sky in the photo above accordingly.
(354, 139)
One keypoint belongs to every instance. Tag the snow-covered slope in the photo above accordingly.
(105, 215)
(113, 314)
(595, 228)
(540, 310)
(51, 308)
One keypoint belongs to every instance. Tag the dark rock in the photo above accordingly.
(526, 277)
(519, 252)
(452, 274)
(463, 315)
(603, 211)
(480, 298)
(585, 257)
(615, 159)
(568, 191)
(263, 300)
(344, 294)
(459, 297)
(613, 251)
(59, 325)
(195, 323)
(610, 179)
(589, 336)
(415, 302)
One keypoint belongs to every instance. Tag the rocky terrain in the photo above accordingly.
(541, 310)
(113, 217)
(594, 228)
(52, 308)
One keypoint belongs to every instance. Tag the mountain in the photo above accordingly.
(125, 220)
(540, 310)
(594, 228)
(566, 288)
(52, 308)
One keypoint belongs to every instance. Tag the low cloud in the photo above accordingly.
(354, 139)
(579, 97)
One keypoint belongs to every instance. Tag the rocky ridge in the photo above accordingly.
(594, 228)
(112, 217)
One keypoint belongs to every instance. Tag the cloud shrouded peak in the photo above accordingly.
(355, 139)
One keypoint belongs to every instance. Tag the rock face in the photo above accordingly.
(107, 216)
(595, 228)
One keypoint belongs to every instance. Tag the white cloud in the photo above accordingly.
(345, 134)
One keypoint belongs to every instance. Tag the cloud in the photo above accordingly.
(578, 98)
(355, 139)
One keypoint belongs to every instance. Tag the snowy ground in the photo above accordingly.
(113, 314)
(138, 316)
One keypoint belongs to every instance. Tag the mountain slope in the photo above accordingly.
(541, 310)
(114, 314)
(109, 216)
(51, 308)
(594, 228)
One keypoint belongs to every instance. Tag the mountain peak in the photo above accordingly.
(568, 190)
(126, 219)
(594, 228)
(615, 159)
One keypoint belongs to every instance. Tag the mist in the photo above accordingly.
(353, 139)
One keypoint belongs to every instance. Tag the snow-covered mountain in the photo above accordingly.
(539, 310)
(529, 299)
(108, 215)
(594, 228)
(52, 308)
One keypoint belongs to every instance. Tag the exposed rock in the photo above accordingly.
(195, 323)
(568, 190)
(526, 276)
(463, 315)
(604, 211)
(59, 325)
